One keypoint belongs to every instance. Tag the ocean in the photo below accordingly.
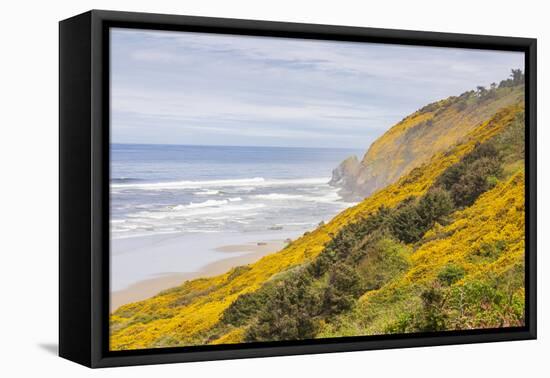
(173, 206)
(208, 189)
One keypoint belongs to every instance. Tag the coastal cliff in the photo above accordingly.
(412, 141)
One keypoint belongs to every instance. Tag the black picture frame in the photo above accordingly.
(84, 192)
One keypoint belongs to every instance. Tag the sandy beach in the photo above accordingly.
(228, 256)
(180, 212)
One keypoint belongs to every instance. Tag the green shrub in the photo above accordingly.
(347, 243)
(406, 223)
(432, 318)
(385, 260)
(450, 274)
(511, 142)
(245, 307)
(433, 207)
(410, 221)
(290, 312)
(489, 251)
(344, 286)
(476, 173)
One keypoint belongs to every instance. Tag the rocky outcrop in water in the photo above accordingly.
(344, 176)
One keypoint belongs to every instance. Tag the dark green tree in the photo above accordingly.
(481, 91)
(475, 181)
(290, 313)
(406, 223)
(433, 207)
(517, 77)
(344, 286)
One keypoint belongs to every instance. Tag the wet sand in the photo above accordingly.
(246, 253)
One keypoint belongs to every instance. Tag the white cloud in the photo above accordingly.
(277, 89)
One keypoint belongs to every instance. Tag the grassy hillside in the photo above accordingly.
(448, 259)
(465, 275)
(415, 139)
(370, 270)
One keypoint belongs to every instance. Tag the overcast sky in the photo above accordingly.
(207, 89)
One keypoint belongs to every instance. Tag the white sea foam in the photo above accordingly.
(155, 199)
(198, 205)
(328, 198)
(322, 197)
(278, 196)
(207, 193)
(208, 203)
(184, 211)
(256, 181)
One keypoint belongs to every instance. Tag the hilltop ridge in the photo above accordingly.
(412, 141)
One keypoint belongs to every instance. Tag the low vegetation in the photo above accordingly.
(440, 249)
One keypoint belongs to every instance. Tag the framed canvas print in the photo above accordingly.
(234, 188)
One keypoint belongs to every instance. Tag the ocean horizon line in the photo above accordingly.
(235, 146)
